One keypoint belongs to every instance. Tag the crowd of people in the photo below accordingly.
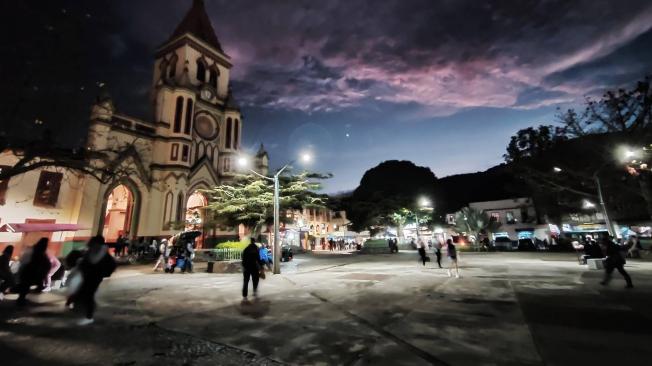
(333, 245)
(176, 252)
(422, 248)
(82, 274)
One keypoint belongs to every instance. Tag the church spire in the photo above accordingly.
(197, 23)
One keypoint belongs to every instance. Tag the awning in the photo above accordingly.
(36, 227)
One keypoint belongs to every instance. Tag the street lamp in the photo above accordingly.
(586, 203)
(244, 163)
(423, 203)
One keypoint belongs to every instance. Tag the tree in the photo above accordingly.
(563, 165)
(387, 189)
(474, 222)
(249, 200)
(104, 165)
(533, 142)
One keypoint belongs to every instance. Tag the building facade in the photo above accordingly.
(190, 144)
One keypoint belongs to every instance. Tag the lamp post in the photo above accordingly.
(242, 161)
(423, 203)
(603, 206)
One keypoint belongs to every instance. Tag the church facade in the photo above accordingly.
(190, 144)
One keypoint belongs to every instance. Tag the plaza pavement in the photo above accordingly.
(350, 309)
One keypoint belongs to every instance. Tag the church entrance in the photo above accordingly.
(118, 215)
(196, 215)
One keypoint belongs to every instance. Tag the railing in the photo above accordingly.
(220, 254)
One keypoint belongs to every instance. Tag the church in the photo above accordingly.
(191, 143)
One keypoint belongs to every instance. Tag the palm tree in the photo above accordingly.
(474, 222)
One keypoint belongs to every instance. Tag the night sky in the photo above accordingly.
(441, 83)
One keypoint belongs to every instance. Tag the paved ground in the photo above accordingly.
(339, 309)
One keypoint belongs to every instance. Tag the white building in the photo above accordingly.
(189, 145)
(517, 216)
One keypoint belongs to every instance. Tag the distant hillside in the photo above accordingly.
(456, 191)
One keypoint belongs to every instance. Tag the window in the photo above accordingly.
(47, 190)
(167, 213)
(177, 115)
(174, 153)
(227, 164)
(229, 128)
(509, 217)
(173, 67)
(495, 216)
(185, 151)
(236, 129)
(179, 216)
(212, 78)
(4, 184)
(186, 128)
(201, 70)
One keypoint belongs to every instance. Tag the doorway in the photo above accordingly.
(118, 214)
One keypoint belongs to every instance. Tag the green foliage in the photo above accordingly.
(233, 245)
(376, 243)
(473, 222)
(249, 199)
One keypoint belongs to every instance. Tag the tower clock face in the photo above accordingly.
(206, 94)
(206, 127)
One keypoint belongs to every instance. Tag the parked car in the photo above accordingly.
(526, 245)
(502, 243)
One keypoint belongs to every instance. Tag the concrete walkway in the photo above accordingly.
(348, 309)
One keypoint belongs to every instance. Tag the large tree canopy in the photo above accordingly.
(562, 164)
(249, 200)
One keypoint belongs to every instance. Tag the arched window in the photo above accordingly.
(179, 216)
(186, 129)
(201, 70)
(213, 74)
(167, 209)
(229, 128)
(178, 113)
(173, 66)
(236, 130)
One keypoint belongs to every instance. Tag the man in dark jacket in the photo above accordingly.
(251, 265)
(6, 277)
(613, 261)
(34, 268)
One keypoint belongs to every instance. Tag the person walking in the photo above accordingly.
(438, 252)
(55, 264)
(422, 251)
(451, 251)
(251, 265)
(164, 251)
(94, 266)
(6, 276)
(264, 257)
(614, 260)
(34, 268)
(190, 255)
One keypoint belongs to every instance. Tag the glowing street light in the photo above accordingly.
(557, 169)
(422, 203)
(588, 204)
(243, 161)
